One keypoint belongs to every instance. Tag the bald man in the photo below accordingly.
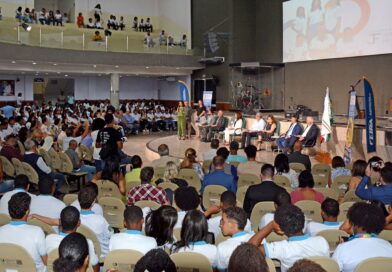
(309, 136)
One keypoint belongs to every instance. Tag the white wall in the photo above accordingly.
(24, 86)
(168, 90)
(8, 7)
(175, 16)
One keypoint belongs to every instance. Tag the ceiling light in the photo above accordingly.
(58, 73)
(34, 63)
(65, 75)
(177, 68)
(147, 67)
(54, 64)
(116, 66)
(13, 61)
(95, 66)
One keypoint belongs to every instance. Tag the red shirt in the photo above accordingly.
(147, 192)
(10, 152)
(298, 195)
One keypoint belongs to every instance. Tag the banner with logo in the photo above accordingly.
(350, 127)
(185, 94)
(207, 99)
(370, 112)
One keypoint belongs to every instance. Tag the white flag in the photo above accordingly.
(326, 121)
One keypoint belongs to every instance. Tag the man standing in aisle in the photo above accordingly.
(188, 118)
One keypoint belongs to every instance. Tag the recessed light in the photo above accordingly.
(34, 63)
(58, 72)
(177, 68)
(65, 75)
(13, 62)
(147, 67)
(95, 66)
(54, 64)
(116, 66)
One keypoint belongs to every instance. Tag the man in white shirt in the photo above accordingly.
(280, 200)
(232, 224)
(329, 213)
(211, 153)
(251, 166)
(21, 184)
(365, 222)
(71, 132)
(257, 126)
(96, 208)
(132, 238)
(18, 232)
(290, 220)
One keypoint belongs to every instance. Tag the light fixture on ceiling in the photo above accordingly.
(13, 62)
(54, 64)
(95, 66)
(66, 75)
(116, 66)
(177, 68)
(58, 73)
(147, 67)
(26, 27)
(34, 63)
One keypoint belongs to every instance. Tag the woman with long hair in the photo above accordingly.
(191, 162)
(170, 175)
(357, 173)
(282, 168)
(112, 173)
(73, 254)
(305, 190)
(270, 128)
(236, 129)
(181, 120)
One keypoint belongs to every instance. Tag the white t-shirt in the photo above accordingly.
(349, 254)
(265, 220)
(96, 208)
(29, 237)
(313, 228)
(98, 224)
(201, 247)
(214, 226)
(132, 239)
(226, 248)
(53, 242)
(296, 248)
(258, 125)
(7, 196)
(47, 205)
(180, 219)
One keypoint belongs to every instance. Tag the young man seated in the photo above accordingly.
(227, 200)
(329, 213)
(232, 224)
(364, 222)
(280, 200)
(186, 199)
(69, 222)
(18, 232)
(290, 220)
(132, 238)
(96, 208)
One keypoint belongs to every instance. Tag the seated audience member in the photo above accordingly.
(193, 236)
(58, 18)
(329, 213)
(357, 173)
(97, 36)
(298, 157)
(148, 25)
(6, 184)
(251, 166)
(132, 238)
(339, 168)
(267, 190)
(160, 224)
(121, 23)
(170, 175)
(219, 177)
(254, 131)
(365, 222)
(112, 173)
(290, 220)
(134, 174)
(97, 223)
(18, 232)
(162, 38)
(65, 18)
(146, 191)
(186, 199)
(191, 155)
(376, 164)
(247, 257)
(163, 151)
(382, 192)
(211, 153)
(234, 157)
(142, 26)
(149, 42)
(21, 184)
(282, 168)
(228, 169)
(227, 200)
(280, 200)
(98, 24)
(71, 133)
(96, 208)
(135, 23)
(10, 150)
(305, 190)
(183, 41)
(309, 137)
(90, 23)
(156, 260)
(69, 222)
(43, 17)
(233, 223)
(305, 265)
(287, 140)
(73, 254)
(78, 164)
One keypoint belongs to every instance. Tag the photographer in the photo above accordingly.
(382, 191)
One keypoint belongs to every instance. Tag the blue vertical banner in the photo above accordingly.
(185, 94)
(370, 111)
(207, 99)
(350, 126)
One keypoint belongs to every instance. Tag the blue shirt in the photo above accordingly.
(219, 177)
(382, 193)
(130, 119)
(8, 111)
(236, 158)
(87, 141)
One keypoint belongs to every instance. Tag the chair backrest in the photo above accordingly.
(321, 169)
(66, 163)
(206, 166)
(235, 163)
(8, 167)
(89, 234)
(329, 192)
(15, 258)
(277, 130)
(282, 181)
(333, 237)
(113, 211)
(191, 261)
(386, 235)
(148, 203)
(177, 234)
(271, 265)
(55, 158)
(273, 237)
(212, 194)
(131, 184)
(168, 185)
(52, 256)
(344, 207)
(311, 209)
(69, 198)
(341, 181)
(297, 166)
(320, 181)
(350, 196)
(247, 180)
(47, 229)
(106, 188)
(4, 219)
(328, 264)
(30, 173)
(259, 210)
(122, 260)
(378, 264)
(19, 170)
(191, 177)
(21, 147)
(88, 155)
(220, 238)
(159, 172)
(241, 191)
(45, 155)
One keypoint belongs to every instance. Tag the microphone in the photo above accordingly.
(355, 85)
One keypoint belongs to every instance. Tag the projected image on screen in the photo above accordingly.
(322, 29)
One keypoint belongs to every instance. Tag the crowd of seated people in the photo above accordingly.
(43, 16)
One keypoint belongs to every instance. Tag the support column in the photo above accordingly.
(115, 90)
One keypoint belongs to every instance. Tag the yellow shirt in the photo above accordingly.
(134, 175)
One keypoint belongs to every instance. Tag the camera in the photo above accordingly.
(376, 166)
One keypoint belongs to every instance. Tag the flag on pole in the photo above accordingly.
(326, 130)
(185, 94)
(350, 126)
(370, 112)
